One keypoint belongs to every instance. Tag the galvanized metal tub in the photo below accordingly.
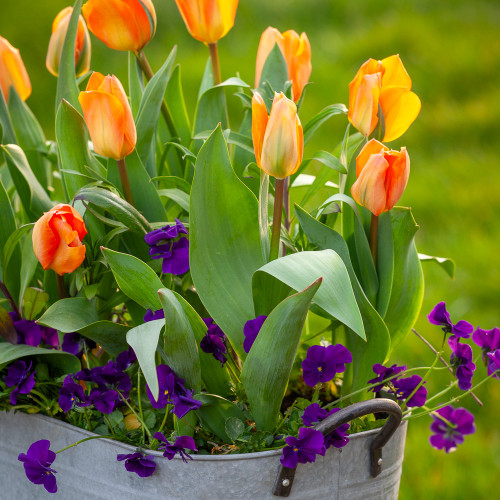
(91, 471)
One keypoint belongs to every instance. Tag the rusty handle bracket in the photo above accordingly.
(285, 477)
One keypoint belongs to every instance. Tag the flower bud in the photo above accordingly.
(297, 53)
(208, 20)
(382, 86)
(278, 139)
(82, 44)
(12, 71)
(108, 116)
(57, 239)
(382, 175)
(121, 24)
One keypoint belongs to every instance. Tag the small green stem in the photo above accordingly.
(374, 237)
(443, 392)
(214, 57)
(315, 397)
(286, 203)
(285, 418)
(233, 368)
(61, 287)
(277, 215)
(109, 425)
(82, 441)
(139, 402)
(40, 395)
(135, 413)
(122, 169)
(87, 419)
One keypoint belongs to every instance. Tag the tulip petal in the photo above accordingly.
(297, 53)
(73, 218)
(12, 71)
(105, 118)
(397, 176)
(45, 241)
(363, 114)
(66, 258)
(259, 124)
(95, 81)
(395, 74)
(369, 67)
(369, 189)
(269, 38)
(400, 107)
(372, 147)
(64, 230)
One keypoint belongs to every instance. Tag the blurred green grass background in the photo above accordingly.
(452, 52)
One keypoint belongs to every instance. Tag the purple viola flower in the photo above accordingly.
(449, 431)
(405, 386)
(151, 316)
(214, 341)
(314, 414)
(142, 465)
(72, 394)
(322, 363)
(125, 359)
(175, 254)
(73, 343)
(184, 403)
(37, 462)
(181, 444)
(383, 374)
(251, 330)
(167, 383)
(104, 401)
(494, 364)
(440, 316)
(18, 375)
(304, 448)
(50, 337)
(28, 332)
(109, 376)
(461, 361)
(488, 341)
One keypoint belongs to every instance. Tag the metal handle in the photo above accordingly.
(284, 479)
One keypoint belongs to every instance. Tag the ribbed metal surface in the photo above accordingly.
(91, 471)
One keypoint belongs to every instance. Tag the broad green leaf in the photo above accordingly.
(144, 340)
(29, 263)
(298, 270)
(169, 181)
(225, 246)
(135, 278)
(408, 283)
(61, 362)
(447, 265)
(175, 100)
(325, 114)
(33, 196)
(7, 134)
(328, 160)
(263, 214)
(10, 245)
(135, 83)
(67, 87)
(180, 346)
(267, 367)
(275, 73)
(34, 301)
(176, 195)
(214, 413)
(70, 315)
(234, 427)
(376, 347)
(385, 262)
(110, 336)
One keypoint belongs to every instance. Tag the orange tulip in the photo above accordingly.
(297, 53)
(278, 139)
(57, 239)
(108, 116)
(208, 20)
(121, 24)
(386, 84)
(82, 44)
(382, 175)
(12, 71)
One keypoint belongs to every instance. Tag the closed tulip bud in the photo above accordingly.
(278, 140)
(382, 175)
(296, 51)
(12, 71)
(82, 44)
(208, 20)
(57, 239)
(382, 86)
(108, 116)
(121, 24)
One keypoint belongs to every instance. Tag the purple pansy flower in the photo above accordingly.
(383, 374)
(181, 444)
(151, 316)
(104, 401)
(18, 375)
(322, 363)
(488, 341)
(494, 364)
(251, 330)
(184, 403)
(109, 376)
(213, 341)
(72, 394)
(142, 465)
(37, 462)
(313, 414)
(461, 361)
(175, 254)
(50, 337)
(405, 386)
(304, 448)
(440, 316)
(73, 343)
(450, 432)
(31, 333)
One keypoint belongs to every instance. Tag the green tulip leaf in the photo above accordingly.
(7, 134)
(447, 265)
(70, 315)
(325, 114)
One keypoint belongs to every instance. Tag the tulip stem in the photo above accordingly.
(286, 202)
(374, 237)
(61, 287)
(8, 296)
(122, 169)
(277, 214)
(214, 57)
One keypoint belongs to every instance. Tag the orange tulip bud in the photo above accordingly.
(121, 24)
(57, 239)
(208, 20)
(108, 116)
(278, 140)
(297, 53)
(12, 71)
(82, 44)
(386, 84)
(382, 175)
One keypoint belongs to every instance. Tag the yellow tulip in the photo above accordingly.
(387, 85)
(12, 71)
